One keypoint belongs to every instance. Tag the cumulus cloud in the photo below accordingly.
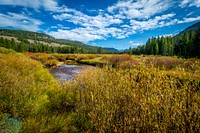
(135, 44)
(48, 5)
(89, 28)
(112, 23)
(83, 35)
(189, 14)
(184, 3)
(59, 26)
(81, 19)
(141, 9)
(19, 21)
(107, 23)
(189, 3)
(168, 35)
(158, 21)
(196, 3)
(88, 34)
(119, 21)
(187, 20)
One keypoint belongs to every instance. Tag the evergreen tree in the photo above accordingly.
(99, 50)
(148, 46)
(152, 46)
(156, 48)
(196, 44)
(130, 51)
(164, 46)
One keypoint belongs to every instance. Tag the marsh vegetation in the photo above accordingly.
(123, 94)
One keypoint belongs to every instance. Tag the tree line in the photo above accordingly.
(184, 45)
(25, 35)
(23, 45)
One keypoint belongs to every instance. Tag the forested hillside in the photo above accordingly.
(23, 45)
(186, 44)
(37, 45)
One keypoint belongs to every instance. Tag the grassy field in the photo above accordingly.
(168, 65)
(122, 94)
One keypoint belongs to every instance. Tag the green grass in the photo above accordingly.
(94, 62)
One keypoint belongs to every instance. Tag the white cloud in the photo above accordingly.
(89, 34)
(189, 3)
(142, 9)
(158, 21)
(48, 5)
(81, 19)
(166, 35)
(19, 21)
(119, 21)
(196, 3)
(188, 20)
(105, 25)
(89, 28)
(189, 14)
(132, 43)
(184, 3)
(83, 35)
(59, 26)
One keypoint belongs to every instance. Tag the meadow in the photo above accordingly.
(122, 93)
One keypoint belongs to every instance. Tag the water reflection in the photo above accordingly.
(66, 72)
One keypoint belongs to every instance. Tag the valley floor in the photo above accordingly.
(122, 93)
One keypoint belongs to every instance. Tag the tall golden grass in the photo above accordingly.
(127, 94)
(29, 92)
(143, 99)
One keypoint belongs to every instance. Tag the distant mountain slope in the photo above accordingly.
(35, 36)
(193, 27)
(112, 50)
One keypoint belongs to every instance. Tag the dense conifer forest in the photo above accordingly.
(186, 44)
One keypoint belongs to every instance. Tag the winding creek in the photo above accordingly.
(66, 72)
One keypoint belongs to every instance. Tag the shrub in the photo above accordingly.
(30, 93)
(121, 61)
(6, 51)
(167, 63)
(50, 63)
(136, 100)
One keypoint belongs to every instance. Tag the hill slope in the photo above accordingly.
(35, 36)
(193, 27)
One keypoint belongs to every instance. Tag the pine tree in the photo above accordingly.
(99, 50)
(148, 46)
(156, 48)
(130, 51)
(196, 44)
(164, 46)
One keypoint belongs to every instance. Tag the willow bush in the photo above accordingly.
(136, 100)
(29, 92)
(126, 95)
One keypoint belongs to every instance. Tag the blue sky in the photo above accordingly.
(107, 23)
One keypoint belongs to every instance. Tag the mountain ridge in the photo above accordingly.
(37, 36)
(193, 27)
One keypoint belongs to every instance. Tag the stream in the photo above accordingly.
(66, 72)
